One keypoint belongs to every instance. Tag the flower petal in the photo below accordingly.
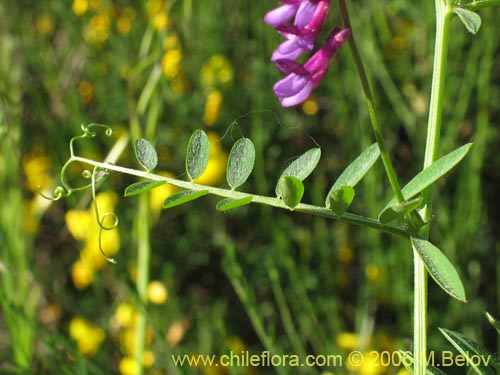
(290, 66)
(290, 49)
(281, 14)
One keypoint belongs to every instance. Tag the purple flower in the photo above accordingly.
(302, 80)
(301, 35)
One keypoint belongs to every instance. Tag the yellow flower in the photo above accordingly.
(158, 195)
(310, 107)
(80, 7)
(148, 358)
(217, 162)
(156, 292)
(160, 20)
(125, 314)
(348, 340)
(86, 91)
(170, 63)
(83, 226)
(44, 25)
(127, 340)
(88, 337)
(372, 272)
(97, 31)
(217, 70)
(128, 366)
(371, 364)
(212, 107)
(37, 167)
(82, 274)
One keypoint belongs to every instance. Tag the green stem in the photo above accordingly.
(443, 18)
(144, 252)
(274, 202)
(386, 159)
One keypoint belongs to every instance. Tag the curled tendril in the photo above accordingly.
(88, 133)
(59, 192)
(100, 220)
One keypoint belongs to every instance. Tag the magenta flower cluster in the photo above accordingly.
(300, 22)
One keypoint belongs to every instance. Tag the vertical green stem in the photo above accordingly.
(143, 255)
(443, 18)
(386, 159)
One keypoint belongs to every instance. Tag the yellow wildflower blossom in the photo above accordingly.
(217, 70)
(126, 314)
(83, 226)
(86, 91)
(310, 107)
(88, 337)
(347, 340)
(37, 167)
(156, 292)
(148, 358)
(128, 366)
(212, 107)
(44, 24)
(80, 7)
(160, 21)
(97, 31)
(171, 63)
(372, 272)
(216, 167)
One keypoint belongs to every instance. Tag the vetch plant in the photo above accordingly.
(408, 215)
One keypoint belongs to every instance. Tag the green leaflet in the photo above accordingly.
(291, 190)
(470, 19)
(304, 165)
(240, 162)
(341, 199)
(355, 171)
(182, 197)
(227, 204)
(141, 187)
(477, 357)
(434, 172)
(146, 154)
(440, 268)
(197, 155)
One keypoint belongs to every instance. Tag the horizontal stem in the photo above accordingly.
(274, 202)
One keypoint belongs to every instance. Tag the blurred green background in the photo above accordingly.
(254, 279)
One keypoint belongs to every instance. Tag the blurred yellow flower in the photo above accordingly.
(217, 162)
(171, 62)
(171, 42)
(156, 292)
(86, 91)
(127, 340)
(95, 5)
(212, 107)
(148, 358)
(83, 226)
(97, 31)
(158, 195)
(371, 364)
(347, 340)
(44, 24)
(372, 272)
(310, 107)
(36, 168)
(125, 314)
(128, 366)
(82, 274)
(160, 20)
(216, 71)
(88, 337)
(80, 7)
